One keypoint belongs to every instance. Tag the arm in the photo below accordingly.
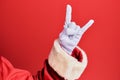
(66, 58)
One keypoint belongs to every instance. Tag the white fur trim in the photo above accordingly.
(64, 64)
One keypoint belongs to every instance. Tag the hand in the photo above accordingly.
(72, 33)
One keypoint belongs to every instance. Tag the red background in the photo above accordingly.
(29, 27)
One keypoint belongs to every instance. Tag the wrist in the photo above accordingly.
(67, 47)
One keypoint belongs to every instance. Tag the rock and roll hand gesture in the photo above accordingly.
(72, 33)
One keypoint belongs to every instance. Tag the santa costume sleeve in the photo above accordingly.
(58, 66)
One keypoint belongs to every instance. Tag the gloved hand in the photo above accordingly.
(72, 33)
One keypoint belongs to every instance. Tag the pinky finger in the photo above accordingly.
(86, 26)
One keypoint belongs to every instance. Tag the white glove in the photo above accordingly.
(72, 33)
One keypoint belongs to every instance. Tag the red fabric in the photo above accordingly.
(77, 54)
(8, 72)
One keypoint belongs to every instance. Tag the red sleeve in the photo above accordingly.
(47, 73)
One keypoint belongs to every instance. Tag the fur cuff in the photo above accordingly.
(64, 64)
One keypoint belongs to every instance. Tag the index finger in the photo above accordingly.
(68, 14)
